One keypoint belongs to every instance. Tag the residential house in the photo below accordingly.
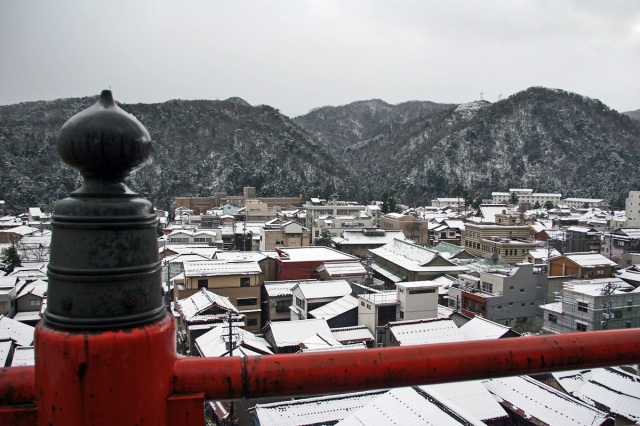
(220, 341)
(238, 281)
(446, 231)
(359, 242)
(350, 271)
(8, 292)
(258, 211)
(422, 332)
(342, 312)
(597, 304)
(286, 336)
(376, 310)
(621, 241)
(15, 234)
(336, 225)
(277, 297)
(539, 256)
(20, 333)
(29, 301)
(201, 312)
(399, 261)
(511, 298)
(630, 275)
(278, 233)
(264, 259)
(309, 295)
(580, 238)
(352, 335)
(581, 265)
(300, 263)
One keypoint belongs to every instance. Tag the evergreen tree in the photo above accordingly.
(10, 258)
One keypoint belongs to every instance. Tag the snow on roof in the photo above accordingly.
(613, 388)
(291, 333)
(201, 301)
(358, 333)
(313, 411)
(23, 356)
(409, 406)
(324, 289)
(214, 343)
(282, 288)
(254, 256)
(571, 380)
(371, 237)
(598, 286)
(420, 332)
(27, 316)
(343, 268)
(8, 281)
(211, 268)
(20, 333)
(349, 347)
(481, 329)
(37, 288)
(633, 233)
(185, 257)
(5, 349)
(414, 257)
(489, 211)
(590, 259)
(335, 308)
(383, 297)
(543, 253)
(473, 396)
(21, 230)
(313, 254)
(535, 399)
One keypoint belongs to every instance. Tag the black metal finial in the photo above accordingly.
(104, 269)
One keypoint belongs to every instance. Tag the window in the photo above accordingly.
(583, 307)
(523, 304)
(629, 305)
(510, 287)
(499, 307)
(522, 290)
(510, 303)
(368, 306)
(581, 327)
(247, 301)
(203, 283)
(422, 291)
(487, 287)
(361, 303)
(245, 282)
(282, 305)
(552, 318)
(299, 302)
(34, 302)
(252, 321)
(401, 314)
(627, 324)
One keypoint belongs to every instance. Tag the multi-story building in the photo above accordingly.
(525, 196)
(239, 281)
(581, 265)
(508, 238)
(336, 225)
(621, 241)
(300, 263)
(588, 305)
(580, 238)
(511, 298)
(632, 209)
(311, 295)
(358, 242)
(583, 203)
(277, 233)
(258, 211)
(317, 208)
(415, 229)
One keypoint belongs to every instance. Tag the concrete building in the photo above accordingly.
(632, 209)
(525, 196)
(620, 242)
(511, 298)
(301, 263)
(317, 208)
(277, 233)
(414, 229)
(588, 305)
(359, 242)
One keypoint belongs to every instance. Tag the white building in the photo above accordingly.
(526, 196)
(632, 209)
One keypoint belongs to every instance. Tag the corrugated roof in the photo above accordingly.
(20, 333)
(421, 332)
(481, 329)
(343, 268)
(612, 388)
(408, 406)
(590, 259)
(23, 356)
(313, 411)
(210, 268)
(280, 288)
(214, 343)
(535, 399)
(324, 289)
(359, 333)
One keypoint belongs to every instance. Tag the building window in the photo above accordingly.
(247, 301)
(523, 304)
(368, 306)
(581, 327)
(245, 282)
(282, 305)
(522, 290)
(487, 287)
(203, 283)
(510, 287)
(361, 303)
(299, 302)
(401, 314)
(499, 307)
(629, 305)
(552, 318)
(252, 321)
(627, 324)
(422, 291)
(34, 302)
(583, 307)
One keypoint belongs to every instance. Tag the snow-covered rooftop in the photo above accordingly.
(375, 237)
(313, 254)
(335, 308)
(214, 343)
(547, 405)
(282, 288)
(343, 269)
(324, 289)
(473, 396)
(358, 333)
(590, 259)
(20, 333)
(414, 257)
(291, 333)
(23, 356)
(220, 268)
(420, 332)
(481, 329)
(201, 301)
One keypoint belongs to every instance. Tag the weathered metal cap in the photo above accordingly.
(104, 268)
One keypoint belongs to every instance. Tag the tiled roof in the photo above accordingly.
(201, 301)
(414, 257)
(480, 329)
(359, 333)
(280, 288)
(214, 342)
(547, 405)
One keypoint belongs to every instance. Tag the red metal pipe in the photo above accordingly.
(342, 371)
(18, 385)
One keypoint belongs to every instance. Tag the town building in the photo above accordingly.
(584, 265)
(336, 225)
(597, 304)
(511, 298)
(220, 341)
(525, 196)
(301, 263)
(620, 242)
(581, 239)
(358, 242)
(278, 233)
(317, 208)
(414, 229)
(632, 209)
(310, 295)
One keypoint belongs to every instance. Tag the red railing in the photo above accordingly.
(195, 380)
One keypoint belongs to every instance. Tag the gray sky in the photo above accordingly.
(297, 55)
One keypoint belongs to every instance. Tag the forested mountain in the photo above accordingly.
(544, 139)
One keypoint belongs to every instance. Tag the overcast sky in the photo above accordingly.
(297, 55)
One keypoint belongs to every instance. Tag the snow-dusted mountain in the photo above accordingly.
(548, 140)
